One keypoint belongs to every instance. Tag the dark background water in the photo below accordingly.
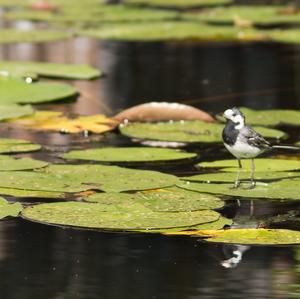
(40, 261)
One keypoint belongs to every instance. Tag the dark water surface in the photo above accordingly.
(39, 261)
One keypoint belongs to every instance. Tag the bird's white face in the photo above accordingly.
(235, 117)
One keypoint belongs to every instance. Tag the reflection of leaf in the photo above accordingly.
(128, 217)
(17, 91)
(261, 165)
(248, 236)
(14, 111)
(129, 154)
(55, 121)
(7, 209)
(70, 71)
(187, 131)
(17, 146)
(8, 163)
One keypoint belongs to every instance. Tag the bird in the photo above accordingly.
(243, 142)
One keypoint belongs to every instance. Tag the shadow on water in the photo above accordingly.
(50, 262)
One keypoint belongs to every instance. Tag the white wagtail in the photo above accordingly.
(243, 142)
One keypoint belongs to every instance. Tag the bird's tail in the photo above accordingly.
(288, 147)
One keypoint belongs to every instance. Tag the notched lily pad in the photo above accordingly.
(8, 163)
(8, 145)
(120, 217)
(56, 70)
(185, 131)
(248, 236)
(129, 154)
(7, 209)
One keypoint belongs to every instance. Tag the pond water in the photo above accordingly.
(52, 262)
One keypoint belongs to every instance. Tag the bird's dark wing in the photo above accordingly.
(254, 138)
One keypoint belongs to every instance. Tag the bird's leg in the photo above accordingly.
(237, 180)
(252, 174)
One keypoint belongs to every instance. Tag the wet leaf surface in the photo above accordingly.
(55, 121)
(121, 217)
(18, 91)
(17, 146)
(248, 236)
(8, 163)
(129, 154)
(7, 209)
(185, 131)
(68, 71)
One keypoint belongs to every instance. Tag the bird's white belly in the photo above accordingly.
(243, 150)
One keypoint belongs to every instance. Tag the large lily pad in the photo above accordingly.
(17, 146)
(8, 163)
(32, 36)
(69, 71)
(31, 193)
(129, 154)
(123, 217)
(187, 131)
(248, 236)
(17, 91)
(261, 165)
(7, 209)
(55, 121)
(276, 190)
(163, 200)
(14, 111)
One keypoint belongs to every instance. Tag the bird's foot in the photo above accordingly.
(236, 185)
(252, 186)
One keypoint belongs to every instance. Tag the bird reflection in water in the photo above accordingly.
(233, 254)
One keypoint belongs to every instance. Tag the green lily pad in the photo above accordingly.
(17, 91)
(8, 163)
(32, 36)
(129, 154)
(285, 36)
(31, 193)
(59, 70)
(187, 131)
(261, 165)
(251, 236)
(163, 200)
(7, 209)
(179, 3)
(231, 176)
(258, 15)
(177, 30)
(17, 146)
(121, 217)
(14, 111)
(276, 190)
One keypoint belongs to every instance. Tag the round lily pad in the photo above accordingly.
(185, 131)
(162, 200)
(14, 111)
(129, 154)
(14, 90)
(7, 209)
(261, 165)
(17, 146)
(59, 70)
(8, 163)
(128, 217)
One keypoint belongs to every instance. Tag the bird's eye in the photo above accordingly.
(233, 114)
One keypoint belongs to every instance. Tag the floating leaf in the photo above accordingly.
(55, 121)
(32, 36)
(261, 165)
(248, 236)
(17, 146)
(17, 91)
(31, 193)
(185, 131)
(14, 111)
(7, 209)
(275, 190)
(8, 163)
(69, 71)
(129, 217)
(129, 154)
(163, 200)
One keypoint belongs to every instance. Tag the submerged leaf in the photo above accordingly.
(123, 217)
(185, 131)
(18, 91)
(248, 236)
(7, 209)
(69, 71)
(8, 145)
(129, 154)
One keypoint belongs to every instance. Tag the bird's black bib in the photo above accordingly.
(230, 133)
